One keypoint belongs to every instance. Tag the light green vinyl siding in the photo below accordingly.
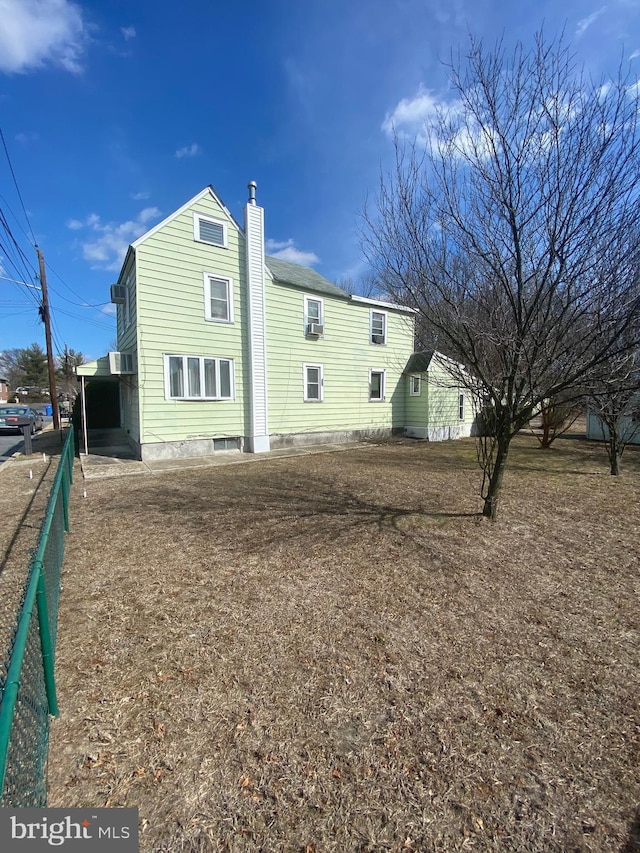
(444, 394)
(346, 356)
(439, 400)
(129, 404)
(127, 342)
(126, 331)
(417, 406)
(171, 321)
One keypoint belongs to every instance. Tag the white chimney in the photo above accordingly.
(255, 273)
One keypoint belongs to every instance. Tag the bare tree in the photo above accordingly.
(510, 226)
(615, 402)
(364, 285)
(557, 415)
(68, 381)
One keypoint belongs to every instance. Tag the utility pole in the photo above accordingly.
(46, 319)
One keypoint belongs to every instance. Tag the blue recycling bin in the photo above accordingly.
(48, 410)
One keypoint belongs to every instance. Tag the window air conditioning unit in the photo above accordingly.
(315, 329)
(121, 362)
(118, 294)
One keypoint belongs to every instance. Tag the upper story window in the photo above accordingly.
(128, 313)
(194, 377)
(211, 231)
(414, 386)
(378, 327)
(121, 297)
(313, 316)
(218, 298)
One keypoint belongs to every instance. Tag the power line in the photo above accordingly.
(29, 288)
(17, 221)
(13, 175)
(18, 248)
(7, 227)
(85, 319)
(82, 303)
(15, 313)
(16, 257)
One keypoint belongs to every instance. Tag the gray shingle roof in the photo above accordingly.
(298, 276)
(419, 362)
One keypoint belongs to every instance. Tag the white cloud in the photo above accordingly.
(109, 309)
(26, 138)
(411, 114)
(286, 251)
(34, 33)
(635, 54)
(418, 117)
(128, 33)
(452, 131)
(585, 23)
(112, 239)
(424, 117)
(188, 151)
(139, 196)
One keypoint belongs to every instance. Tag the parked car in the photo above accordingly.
(9, 418)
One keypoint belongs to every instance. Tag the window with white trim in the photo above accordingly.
(461, 406)
(378, 332)
(376, 386)
(218, 298)
(313, 315)
(197, 377)
(211, 231)
(124, 309)
(313, 383)
(414, 386)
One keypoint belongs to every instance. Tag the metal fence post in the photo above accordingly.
(46, 644)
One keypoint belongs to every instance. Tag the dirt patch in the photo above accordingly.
(337, 653)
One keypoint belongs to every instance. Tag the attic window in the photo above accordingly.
(211, 231)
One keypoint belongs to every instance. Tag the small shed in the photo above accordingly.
(629, 430)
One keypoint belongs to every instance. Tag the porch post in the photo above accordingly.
(84, 417)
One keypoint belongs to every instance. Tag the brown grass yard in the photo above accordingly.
(336, 653)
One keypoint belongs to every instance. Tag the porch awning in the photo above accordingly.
(98, 369)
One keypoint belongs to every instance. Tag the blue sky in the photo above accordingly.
(115, 113)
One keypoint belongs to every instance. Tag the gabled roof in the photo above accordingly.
(294, 274)
(206, 191)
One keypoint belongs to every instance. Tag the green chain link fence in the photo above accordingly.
(26, 679)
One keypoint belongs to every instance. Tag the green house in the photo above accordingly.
(223, 348)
